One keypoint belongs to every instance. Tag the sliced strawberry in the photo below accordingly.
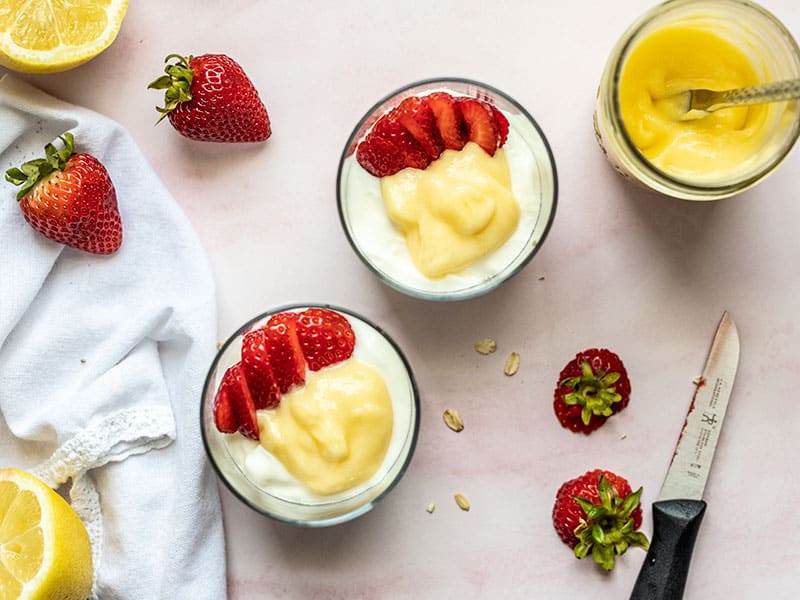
(414, 154)
(449, 120)
(500, 125)
(326, 337)
(396, 150)
(480, 124)
(223, 412)
(379, 156)
(283, 349)
(257, 371)
(233, 406)
(416, 116)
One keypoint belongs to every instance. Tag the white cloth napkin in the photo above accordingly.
(102, 361)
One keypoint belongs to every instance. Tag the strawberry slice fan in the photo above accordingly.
(102, 358)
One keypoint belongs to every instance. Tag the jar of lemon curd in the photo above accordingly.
(686, 44)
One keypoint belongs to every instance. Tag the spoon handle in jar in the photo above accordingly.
(775, 91)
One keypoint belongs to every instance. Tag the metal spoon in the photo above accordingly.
(696, 104)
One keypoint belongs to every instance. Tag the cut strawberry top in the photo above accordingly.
(592, 386)
(420, 128)
(597, 513)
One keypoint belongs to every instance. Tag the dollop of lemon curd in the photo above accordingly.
(332, 433)
(680, 58)
(456, 211)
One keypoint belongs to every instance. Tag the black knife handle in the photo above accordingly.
(675, 526)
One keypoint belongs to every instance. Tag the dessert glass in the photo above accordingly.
(775, 55)
(317, 511)
(380, 245)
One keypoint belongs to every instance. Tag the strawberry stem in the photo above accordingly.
(594, 392)
(177, 84)
(33, 171)
(607, 531)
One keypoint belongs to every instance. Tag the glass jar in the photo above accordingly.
(380, 244)
(773, 54)
(262, 483)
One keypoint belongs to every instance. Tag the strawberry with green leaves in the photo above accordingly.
(210, 98)
(598, 514)
(592, 386)
(69, 198)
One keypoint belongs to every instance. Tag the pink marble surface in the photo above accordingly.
(646, 276)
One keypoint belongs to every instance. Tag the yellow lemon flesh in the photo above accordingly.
(44, 548)
(46, 36)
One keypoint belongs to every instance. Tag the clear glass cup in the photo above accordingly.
(380, 245)
(775, 56)
(312, 510)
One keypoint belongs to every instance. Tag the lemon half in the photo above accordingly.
(44, 548)
(45, 36)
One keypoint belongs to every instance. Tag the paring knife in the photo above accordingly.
(679, 509)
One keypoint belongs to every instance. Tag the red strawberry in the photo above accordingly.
(233, 406)
(210, 98)
(258, 372)
(396, 150)
(591, 387)
(597, 513)
(283, 349)
(449, 120)
(480, 123)
(416, 116)
(326, 337)
(500, 125)
(70, 199)
(380, 156)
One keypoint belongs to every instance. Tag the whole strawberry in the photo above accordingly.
(210, 98)
(597, 513)
(592, 386)
(69, 198)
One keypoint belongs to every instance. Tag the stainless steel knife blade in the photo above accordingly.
(679, 510)
(691, 462)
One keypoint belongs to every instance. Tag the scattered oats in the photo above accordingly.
(541, 277)
(83, 361)
(453, 420)
(699, 380)
(219, 345)
(512, 364)
(486, 346)
(431, 507)
(623, 436)
(462, 502)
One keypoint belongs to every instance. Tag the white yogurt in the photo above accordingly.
(268, 473)
(383, 245)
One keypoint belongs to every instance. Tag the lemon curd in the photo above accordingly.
(458, 210)
(332, 433)
(679, 58)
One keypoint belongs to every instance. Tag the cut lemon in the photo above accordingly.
(45, 36)
(44, 548)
